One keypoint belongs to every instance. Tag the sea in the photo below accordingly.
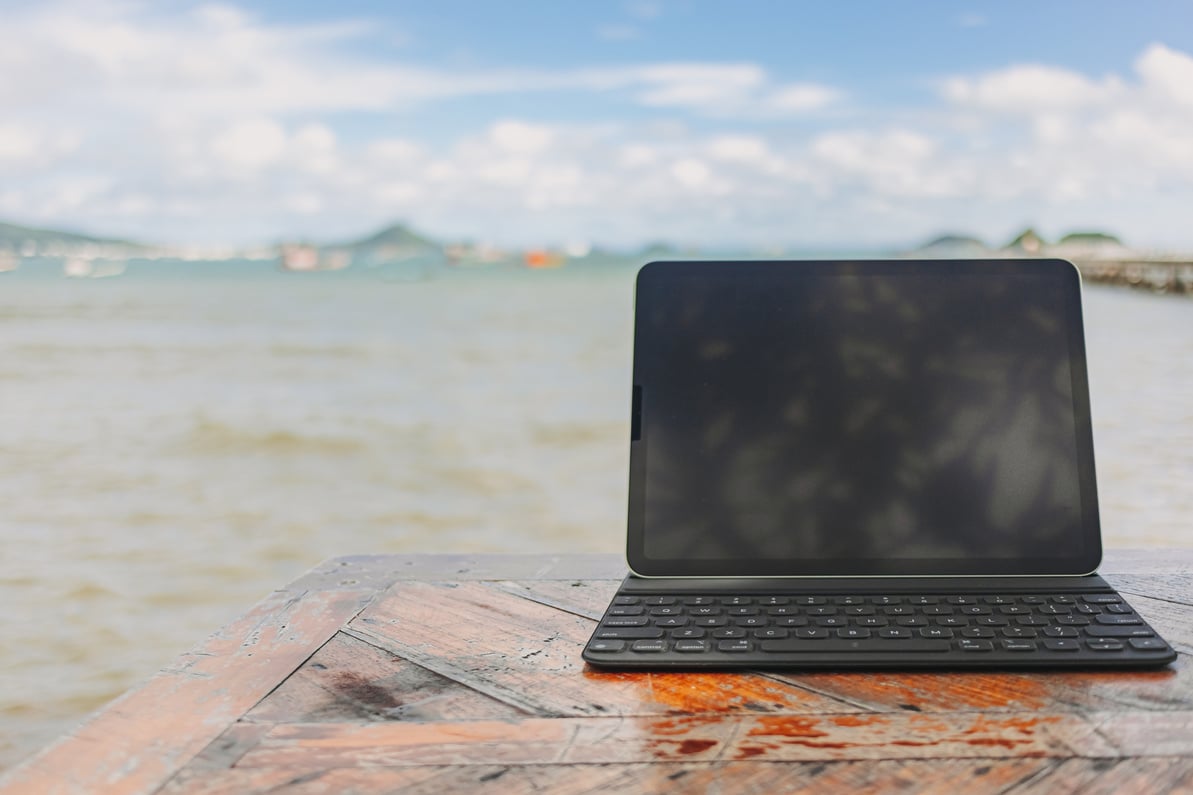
(177, 439)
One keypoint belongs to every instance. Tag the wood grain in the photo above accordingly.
(432, 674)
(140, 740)
(527, 655)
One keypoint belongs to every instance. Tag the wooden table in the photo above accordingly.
(443, 673)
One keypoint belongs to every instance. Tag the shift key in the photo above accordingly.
(628, 633)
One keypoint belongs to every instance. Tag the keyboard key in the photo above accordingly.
(808, 600)
(655, 601)
(853, 632)
(1104, 644)
(894, 632)
(1072, 621)
(1061, 644)
(886, 600)
(832, 621)
(998, 600)
(1063, 599)
(771, 633)
(774, 600)
(850, 600)
(704, 610)
(649, 646)
(687, 633)
(750, 621)
(811, 633)
(607, 646)
(627, 610)
(699, 601)
(1148, 644)
(691, 646)
(936, 632)
(1117, 620)
(736, 601)
(1061, 632)
(737, 646)
(671, 621)
(791, 621)
(873, 645)
(991, 621)
(1031, 600)
(1018, 632)
(1118, 632)
(710, 621)
(743, 611)
(962, 600)
(729, 632)
(626, 600)
(628, 633)
(1102, 598)
(977, 632)
(870, 621)
(859, 610)
(1018, 645)
(626, 621)
(782, 610)
(667, 610)
(1116, 608)
(923, 600)
(968, 644)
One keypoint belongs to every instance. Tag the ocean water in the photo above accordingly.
(177, 441)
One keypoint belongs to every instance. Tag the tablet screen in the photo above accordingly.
(861, 418)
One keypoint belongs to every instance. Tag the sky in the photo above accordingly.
(769, 124)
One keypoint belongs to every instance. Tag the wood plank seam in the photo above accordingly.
(460, 676)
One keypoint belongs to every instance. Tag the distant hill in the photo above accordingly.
(15, 236)
(1088, 238)
(396, 236)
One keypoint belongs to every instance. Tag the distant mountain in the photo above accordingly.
(1091, 238)
(953, 246)
(1028, 241)
(17, 237)
(396, 236)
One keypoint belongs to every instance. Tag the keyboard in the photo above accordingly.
(874, 630)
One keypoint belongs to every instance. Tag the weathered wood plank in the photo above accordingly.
(1111, 777)
(802, 738)
(349, 679)
(528, 655)
(145, 736)
(380, 571)
(587, 598)
(947, 777)
(887, 691)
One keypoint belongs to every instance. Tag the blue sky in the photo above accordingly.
(768, 124)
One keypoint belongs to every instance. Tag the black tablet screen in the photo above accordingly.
(856, 418)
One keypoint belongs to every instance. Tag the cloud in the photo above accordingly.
(221, 126)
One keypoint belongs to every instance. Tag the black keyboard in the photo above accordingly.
(875, 630)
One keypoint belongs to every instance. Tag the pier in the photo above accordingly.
(1160, 274)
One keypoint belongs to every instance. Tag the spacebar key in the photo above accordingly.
(833, 646)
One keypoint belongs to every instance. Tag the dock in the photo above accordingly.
(446, 673)
(1158, 274)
